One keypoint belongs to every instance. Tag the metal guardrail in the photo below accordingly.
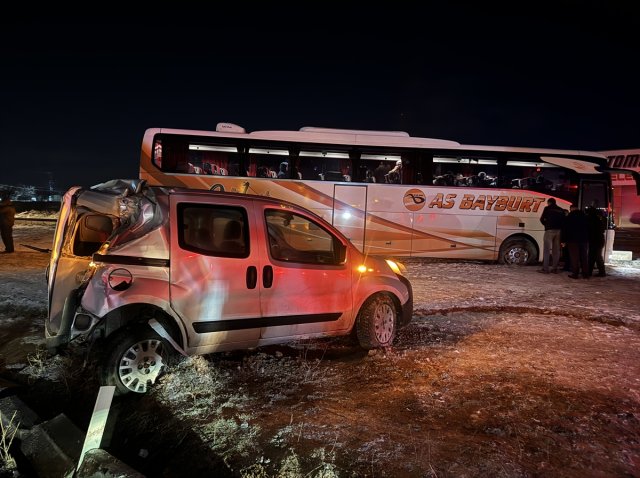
(36, 219)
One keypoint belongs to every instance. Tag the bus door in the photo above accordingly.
(350, 211)
(595, 194)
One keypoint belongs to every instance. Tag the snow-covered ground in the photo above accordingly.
(483, 286)
(503, 372)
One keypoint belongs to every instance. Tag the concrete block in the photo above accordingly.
(622, 256)
(98, 463)
(53, 448)
(24, 415)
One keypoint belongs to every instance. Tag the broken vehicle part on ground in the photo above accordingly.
(216, 271)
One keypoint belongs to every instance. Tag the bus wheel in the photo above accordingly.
(517, 250)
(134, 359)
(376, 322)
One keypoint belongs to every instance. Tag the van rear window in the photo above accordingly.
(221, 231)
(93, 231)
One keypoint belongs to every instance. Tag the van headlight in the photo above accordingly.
(397, 268)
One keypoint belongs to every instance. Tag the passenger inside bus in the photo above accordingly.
(284, 170)
(381, 172)
(394, 176)
(452, 171)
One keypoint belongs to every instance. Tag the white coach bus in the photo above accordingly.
(391, 194)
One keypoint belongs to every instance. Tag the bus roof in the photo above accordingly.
(368, 138)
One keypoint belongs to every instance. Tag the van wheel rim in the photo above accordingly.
(517, 255)
(140, 365)
(384, 323)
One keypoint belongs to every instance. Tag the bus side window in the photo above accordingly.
(193, 155)
(540, 177)
(324, 163)
(465, 171)
(265, 160)
(387, 166)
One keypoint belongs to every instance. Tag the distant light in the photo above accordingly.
(362, 269)
(346, 215)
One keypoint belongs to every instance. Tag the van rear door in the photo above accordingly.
(79, 233)
(58, 287)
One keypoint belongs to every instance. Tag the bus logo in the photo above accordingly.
(579, 166)
(414, 200)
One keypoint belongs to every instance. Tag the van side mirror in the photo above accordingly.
(342, 252)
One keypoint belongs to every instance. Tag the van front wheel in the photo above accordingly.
(134, 359)
(376, 322)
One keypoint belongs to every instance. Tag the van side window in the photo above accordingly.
(93, 231)
(295, 238)
(221, 231)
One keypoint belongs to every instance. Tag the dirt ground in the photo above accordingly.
(502, 372)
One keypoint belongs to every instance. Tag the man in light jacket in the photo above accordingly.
(552, 218)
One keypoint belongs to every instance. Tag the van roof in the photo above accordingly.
(231, 195)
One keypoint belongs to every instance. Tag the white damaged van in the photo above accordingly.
(156, 270)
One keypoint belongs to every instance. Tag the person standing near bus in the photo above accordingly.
(552, 219)
(7, 220)
(575, 233)
(565, 253)
(596, 241)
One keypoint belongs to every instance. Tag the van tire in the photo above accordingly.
(377, 322)
(144, 349)
(517, 251)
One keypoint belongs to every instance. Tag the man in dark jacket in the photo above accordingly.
(7, 219)
(552, 218)
(596, 241)
(575, 233)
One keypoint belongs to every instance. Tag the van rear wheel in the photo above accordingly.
(134, 359)
(377, 322)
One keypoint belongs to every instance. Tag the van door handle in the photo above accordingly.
(252, 277)
(267, 277)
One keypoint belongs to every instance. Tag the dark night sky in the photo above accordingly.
(78, 92)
